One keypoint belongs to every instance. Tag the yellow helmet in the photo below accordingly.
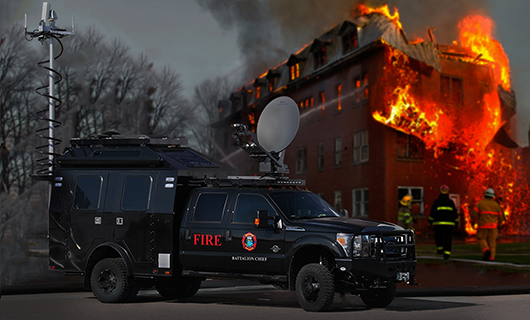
(407, 199)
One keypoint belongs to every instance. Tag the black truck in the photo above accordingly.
(132, 212)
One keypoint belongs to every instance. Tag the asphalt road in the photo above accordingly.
(254, 302)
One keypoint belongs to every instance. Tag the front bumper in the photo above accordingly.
(371, 268)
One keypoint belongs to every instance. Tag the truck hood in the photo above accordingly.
(346, 225)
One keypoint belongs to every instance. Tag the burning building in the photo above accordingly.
(383, 116)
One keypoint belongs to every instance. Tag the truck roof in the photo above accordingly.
(142, 151)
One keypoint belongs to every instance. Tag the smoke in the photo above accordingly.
(270, 30)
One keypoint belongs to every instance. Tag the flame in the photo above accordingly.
(476, 33)
(384, 11)
(462, 133)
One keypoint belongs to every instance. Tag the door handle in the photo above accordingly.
(228, 235)
(187, 234)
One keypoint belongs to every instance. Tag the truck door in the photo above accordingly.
(249, 249)
(86, 228)
(202, 237)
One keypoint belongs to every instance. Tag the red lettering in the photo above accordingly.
(209, 240)
(217, 240)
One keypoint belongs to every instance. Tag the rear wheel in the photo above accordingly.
(110, 283)
(179, 289)
(315, 288)
(381, 297)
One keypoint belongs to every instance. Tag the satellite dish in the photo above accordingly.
(278, 124)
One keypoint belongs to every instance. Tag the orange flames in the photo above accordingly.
(476, 33)
(383, 10)
(460, 131)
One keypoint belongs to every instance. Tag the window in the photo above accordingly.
(409, 146)
(320, 56)
(271, 84)
(87, 192)
(349, 41)
(338, 152)
(451, 90)
(321, 156)
(360, 147)
(337, 203)
(360, 89)
(258, 92)
(301, 160)
(247, 205)
(136, 193)
(294, 71)
(338, 90)
(210, 207)
(322, 102)
(305, 106)
(360, 203)
(417, 198)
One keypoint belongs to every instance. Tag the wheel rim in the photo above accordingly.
(310, 288)
(107, 281)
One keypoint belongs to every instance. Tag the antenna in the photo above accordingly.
(277, 127)
(48, 31)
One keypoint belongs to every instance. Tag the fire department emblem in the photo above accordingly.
(249, 241)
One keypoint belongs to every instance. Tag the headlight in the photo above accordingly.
(361, 246)
(345, 241)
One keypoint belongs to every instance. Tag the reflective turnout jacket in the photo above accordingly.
(405, 219)
(443, 212)
(487, 214)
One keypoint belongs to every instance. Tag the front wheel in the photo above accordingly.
(110, 283)
(179, 289)
(381, 297)
(315, 288)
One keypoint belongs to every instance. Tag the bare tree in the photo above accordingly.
(206, 97)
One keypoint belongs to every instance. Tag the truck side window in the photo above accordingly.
(210, 207)
(87, 192)
(247, 205)
(136, 193)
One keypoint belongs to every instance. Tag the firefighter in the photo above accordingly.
(405, 219)
(443, 220)
(489, 217)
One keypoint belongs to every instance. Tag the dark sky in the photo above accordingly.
(204, 39)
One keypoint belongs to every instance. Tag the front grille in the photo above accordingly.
(387, 245)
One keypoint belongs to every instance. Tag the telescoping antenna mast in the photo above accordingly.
(48, 31)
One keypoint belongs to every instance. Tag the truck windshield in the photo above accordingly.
(303, 205)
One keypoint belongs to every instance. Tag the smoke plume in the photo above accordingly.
(270, 30)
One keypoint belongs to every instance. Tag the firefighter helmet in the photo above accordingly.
(444, 189)
(489, 193)
(406, 200)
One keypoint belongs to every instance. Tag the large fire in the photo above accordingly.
(464, 134)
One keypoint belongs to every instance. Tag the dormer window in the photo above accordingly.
(320, 57)
(258, 92)
(349, 41)
(318, 48)
(348, 36)
(271, 84)
(294, 71)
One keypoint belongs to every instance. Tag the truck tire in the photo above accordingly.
(315, 288)
(380, 298)
(110, 283)
(179, 289)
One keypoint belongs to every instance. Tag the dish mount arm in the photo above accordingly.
(269, 162)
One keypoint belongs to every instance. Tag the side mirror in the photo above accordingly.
(262, 219)
(344, 213)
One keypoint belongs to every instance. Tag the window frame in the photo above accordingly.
(192, 218)
(99, 192)
(361, 89)
(273, 213)
(408, 152)
(403, 190)
(337, 151)
(357, 153)
(363, 203)
(301, 160)
(321, 156)
(123, 193)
